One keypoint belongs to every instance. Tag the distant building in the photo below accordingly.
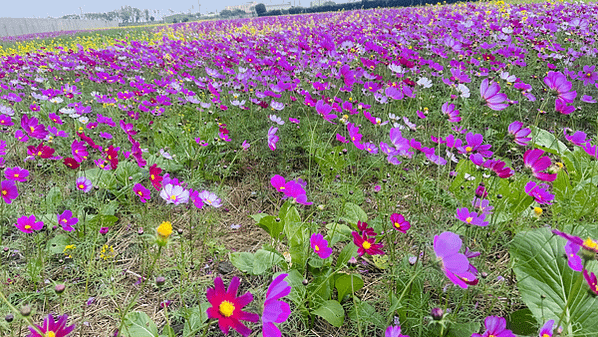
(279, 6)
(247, 8)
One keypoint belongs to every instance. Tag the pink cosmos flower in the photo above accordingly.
(495, 327)
(394, 331)
(33, 128)
(546, 330)
(558, 82)
(539, 193)
(67, 221)
(28, 224)
(210, 198)
(592, 281)
(79, 151)
(320, 245)
(454, 264)
(366, 245)
(562, 107)
(174, 194)
(275, 311)
(143, 193)
(399, 223)
(451, 112)
(272, 138)
(83, 184)
(521, 135)
(494, 99)
(9, 191)
(52, 328)
(471, 218)
(16, 174)
(474, 144)
(534, 161)
(227, 307)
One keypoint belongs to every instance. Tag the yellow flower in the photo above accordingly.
(538, 211)
(165, 229)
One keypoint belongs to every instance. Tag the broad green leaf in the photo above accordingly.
(295, 280)
(332, 312)
(365, 313)
(263, 260)
(548, 142)
(56, 244)
(138, 324)
(321, 287)
(347, 284)
(349, 251)
(243, 261)
(463, 329)
(272, 225)
(168, 332)
(353, 213)
(196, 317)
(549, 287)
(522, 322)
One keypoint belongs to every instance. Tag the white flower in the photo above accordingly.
(276, 119)
(424, 82)
(509, 78)
(396, 68)
(56, 100)
(463, 90)
(83, 119)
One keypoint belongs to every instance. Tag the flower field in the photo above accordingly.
(422, 171)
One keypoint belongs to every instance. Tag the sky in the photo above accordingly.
(43, 8)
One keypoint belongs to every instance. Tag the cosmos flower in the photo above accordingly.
(227, 307)
(538, 192)
(155, 177)
(272, 138)
(557, 82)
(174, 194)
(399, 223)
(471, 218)
(533, 160)
(210, 198)
(275, 311)
(454, 264)
(83, 184)
(546, 330)
(28, 224)
(51, 328)
(366, 245)
(143, 193)
(320, 245)
(490, 94)
(393, 331)
(67, 221)
(16, 174)
(592, 281)
(495, 327)
(519, 133)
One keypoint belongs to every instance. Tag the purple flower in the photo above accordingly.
(558, 82)
(532, 160)
(291, 189)
(174, 194)
(520, 134)
(474, 144)
(393, 331)
(28, 224)
(592, 281)
(578, 138)
(538, 192)
(588, 75)
(272, 138)
(370, 147)
(210, 198)
(16, 174)
(320, 245)
(587, 99)
(399, 223)
(52, 328)
(66, 220)
(573, 259)
(275, 311)
(451, 112)
(546, 330)
(83, 184)
(589, 244)
(495, 327)
(471, 218)
(104, 230)
(143, 193)
(454, 264)
(276, 119)
(245, 145)
(324, 110)
(32, 128)
(482, 205)
(489, 93)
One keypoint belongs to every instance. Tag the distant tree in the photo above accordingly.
(146, 14)
(329, 3)
(238, 12)
(185, 20)
(226, 13)
(152, 18)
(260, 9)
(175, 20)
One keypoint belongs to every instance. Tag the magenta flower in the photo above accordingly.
(578, 138)
(143, 193)
(592, 281)
(245, 145)
(83, 184)
(195, 199)
(366, 245)
(104, 230)
(474, 144)
(275, 311)
(394, 331)
(454, 264)
(8, 190)
(33, 128)
(52, 328)
(494, 99)
(539, 193)
(588, 75)
(482, 205)
(210, 198)
(325, 110)
(584, 98)
(521, 135)
(227, 307)
(546, 330)
(370, 147)
(174, 194)
(562, 107)
(558, 82)
(471, 218)
(272, 138)
(589, 244)
(533, 160)
(291, 189)
(6, 121)
(399, 223)
(16, 174)
(28, 224)
(67, 221)
(495, 327)
(355, 136)
(79, 151)
(451, 112)
(573, 259)
(320, 245)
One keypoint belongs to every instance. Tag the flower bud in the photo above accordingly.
(8, 318)
(437, 314)
(305, 282)
(160, 280)
(59, 288)
(25, 311)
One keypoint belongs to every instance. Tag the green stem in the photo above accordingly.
(570, 298)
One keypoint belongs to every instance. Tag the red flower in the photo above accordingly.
(71, 163)
(226, 307)
(155, 178)
(40, 151)
(366, 245)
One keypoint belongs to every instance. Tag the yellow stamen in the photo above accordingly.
(469, 219)
(468, 149)
(317, 248)
(226, 308)
(366, 245)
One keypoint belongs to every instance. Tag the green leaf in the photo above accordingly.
(463, 329)
(347, 284)
(53, 199)
(365, 313)
(298, 292)
(332, 312)
(263, 260)
(522, 322)
(337, 233)
(168, 332)
(549, 287)
(349, 251)
(138, 324)
(271, 225)
(353, 213)
(56, 244)
(196, 317)
(243, 261)
(548, 142)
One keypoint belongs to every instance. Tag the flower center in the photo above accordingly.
(153, 177)
(16, 175)
(317, 248)
(50, 334)
(366, 245)
(27, 227)
(538, 210)
(81, 186)
(590, 244)
(398, 225)
(469, 219)
(173, 197)
(468, 149)
(4, 192)
(545, 335)
(226, 308)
